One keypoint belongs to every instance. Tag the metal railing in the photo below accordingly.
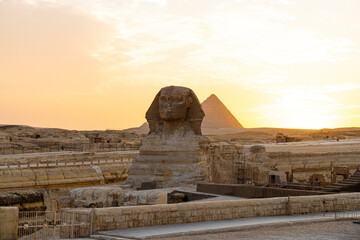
(54, 225)
(329, 208)
(83, 147)
(77, 224)
(125, 158)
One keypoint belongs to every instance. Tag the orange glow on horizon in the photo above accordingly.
(98, 65)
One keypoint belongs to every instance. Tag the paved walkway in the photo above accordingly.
(213, 226)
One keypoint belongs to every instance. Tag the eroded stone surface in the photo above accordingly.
(113, 196)
(172, 154)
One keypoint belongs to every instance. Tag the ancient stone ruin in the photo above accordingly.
(75, 184)
(218, 119)
(171, 154)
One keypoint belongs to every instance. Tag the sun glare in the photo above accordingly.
(309, 120)
(304, 109)
(295, 63)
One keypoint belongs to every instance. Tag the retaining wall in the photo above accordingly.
(9, 223)
(304, 165)
(60, 177)
(250, 191)
(138, 216)
(64, 169)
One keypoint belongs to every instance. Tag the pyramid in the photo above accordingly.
(217, 115)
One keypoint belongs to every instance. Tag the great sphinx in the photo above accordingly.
(172, 153)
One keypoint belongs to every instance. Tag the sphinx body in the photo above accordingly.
(173, 154)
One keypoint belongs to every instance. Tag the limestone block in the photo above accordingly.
(170, 155)
(8, 223)
(105, 196)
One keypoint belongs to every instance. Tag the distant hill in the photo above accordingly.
(143, 129)
(217, 115)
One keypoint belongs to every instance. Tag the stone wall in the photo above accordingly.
(25, 200)
(221, 161)
(9, 223)
(58, 177)
(59, 170)
(138, 216)
(63, 158)
(305, 165)
(113, 196)
(250, 191)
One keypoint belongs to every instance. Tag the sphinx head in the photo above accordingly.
(174, 103)
(178, 104)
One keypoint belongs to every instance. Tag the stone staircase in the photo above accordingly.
(352, 184)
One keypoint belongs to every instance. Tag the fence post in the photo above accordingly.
(54, 225)
(36, 224)
(92, 216)
(288, 207)
(72, 225)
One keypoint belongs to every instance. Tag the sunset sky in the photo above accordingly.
(82, 64)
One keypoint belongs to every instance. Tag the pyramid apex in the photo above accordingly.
(212, 96)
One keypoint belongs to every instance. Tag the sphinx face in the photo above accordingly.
(173, 104)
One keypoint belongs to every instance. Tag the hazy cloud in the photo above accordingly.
(298, 52)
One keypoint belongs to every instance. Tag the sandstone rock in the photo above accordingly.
(171, 154)
(106, 196)
(25, 200)
(177, 197)
(112, 196)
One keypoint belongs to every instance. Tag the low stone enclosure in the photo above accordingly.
(250, 191)
(139, 216)
(101, 219)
